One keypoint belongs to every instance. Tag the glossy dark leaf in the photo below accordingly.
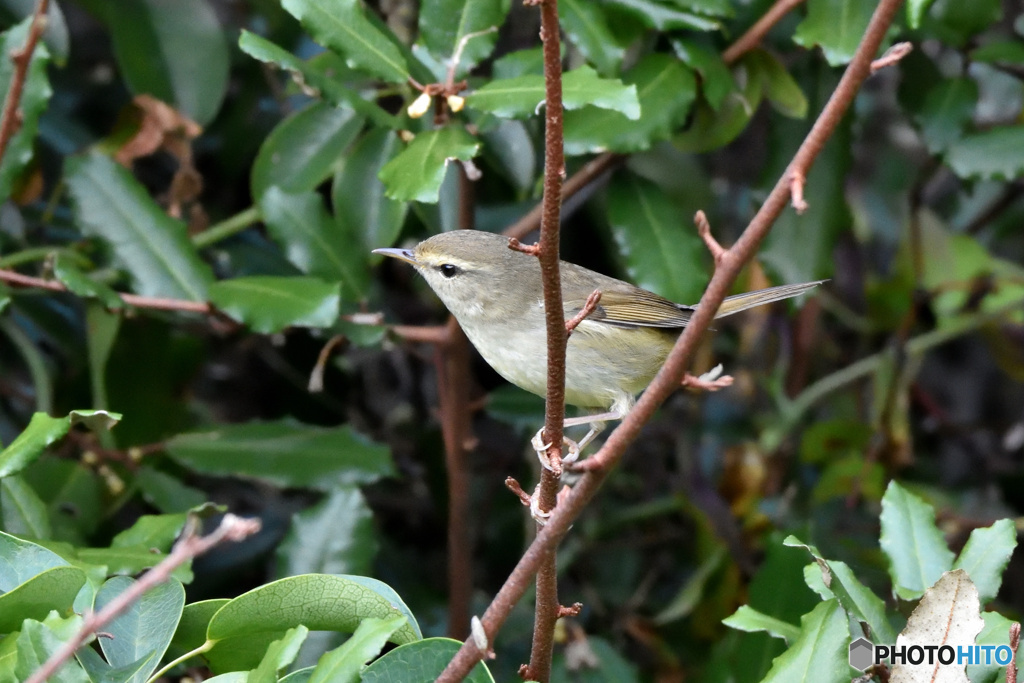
(77, 282)
(994, 153)
(314, 241)
(660, 250)
(664, 17)
(269, 303)
(447, 24)
(524, 96)
(312, 75)
(586, 26)
(284, 454)
(152, 246)
(175, 51)
(342, 26)
(946, 111)
(837, 26)
(666, 89)
(364, 215)
(300, 153)
(716, 81)
(418, 171)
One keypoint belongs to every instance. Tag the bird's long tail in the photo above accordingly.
(741, 302)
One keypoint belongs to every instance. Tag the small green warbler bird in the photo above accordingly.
(495, 293)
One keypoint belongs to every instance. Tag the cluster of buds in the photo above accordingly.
(421, 105)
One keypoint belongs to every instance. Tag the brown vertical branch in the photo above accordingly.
(546, 608)
(728, 266)
(453, 375)
(22, 58)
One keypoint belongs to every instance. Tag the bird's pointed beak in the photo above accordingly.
(401, 254)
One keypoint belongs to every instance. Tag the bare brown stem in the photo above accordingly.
(891, 56)
(10, 120)
(546, 607)
(589, 307)
(231, 528)
(726, 271)
(752, 38)
(1011, 670)
(150, 302)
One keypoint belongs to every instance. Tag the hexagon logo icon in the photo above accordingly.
(862, 654)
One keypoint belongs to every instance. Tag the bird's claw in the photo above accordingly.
(713, 380)
(542, 450)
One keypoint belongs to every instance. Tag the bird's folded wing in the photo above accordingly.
(633, 307)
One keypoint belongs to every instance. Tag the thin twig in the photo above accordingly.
(891, 56)
(10, 120)
(231, 528)
(150, 302)
(1011, 670)
(668, 378)
(752, 38)
(589, 307)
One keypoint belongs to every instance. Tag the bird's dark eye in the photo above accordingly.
(448, 270)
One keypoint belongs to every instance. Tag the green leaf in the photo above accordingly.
(152, 531)
(665, 18)
(153, 247)
(195, 619)
(33, 581)
(586, 26)
(653, 238)
(166, 492)
(175, 51)
(268, 303)
(445, 24)
(779, 86)
(986, 555)
(342, 26)
(311, 75)
(946, 111)
(992, 154)
(956, 23)
(344, 664)
(40, 640)
(143, 630)
(129, 560)
(418, 171)
(716, 81)
(916, 10)
(748, 619)
(284, 454)
(363, 213)
(302, 150)
(837, 26)
(68, 273)
(916, 549)
(420, 662)
(335, 536)
(666, 90)
(22, 512)
(994, 634)
(313, 241)
(43, 431)
(856, 598)
(820, 653)
(34, 98)
(999, 52)
(321, 602)
(523, 96)
(280, 654)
